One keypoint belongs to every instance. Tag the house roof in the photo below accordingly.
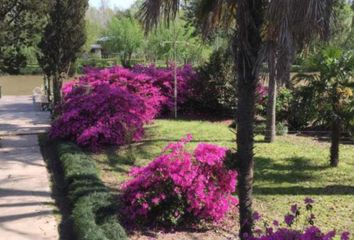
(96, 46)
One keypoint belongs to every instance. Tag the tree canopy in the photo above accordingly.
(21, 24)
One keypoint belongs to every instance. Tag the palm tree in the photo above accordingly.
(329, 82)
(251, 19)
(286, 33)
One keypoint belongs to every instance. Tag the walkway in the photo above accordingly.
(26, 207)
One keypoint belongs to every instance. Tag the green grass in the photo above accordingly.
(286, 171)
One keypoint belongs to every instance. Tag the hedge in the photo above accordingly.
(93, 207)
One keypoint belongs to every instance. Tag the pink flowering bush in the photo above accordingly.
(181, 186)
(110, 106)
(100, 115)
(287, 231)
(163, 78)
(262, 93)
(154, 85)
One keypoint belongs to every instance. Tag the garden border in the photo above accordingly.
(93, 207)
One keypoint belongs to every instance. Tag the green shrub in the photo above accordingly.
(31, 70)
(260, 128)
(284, 98)
(93, 208)
(95, 62)
(281, 129)
(214, 89)
(302, 111)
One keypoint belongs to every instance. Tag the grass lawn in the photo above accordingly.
(286, 171)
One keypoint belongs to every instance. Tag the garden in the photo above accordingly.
(174, 177)
(196, 122)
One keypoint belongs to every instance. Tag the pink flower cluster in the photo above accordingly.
(180, 186)
(110, 106)
(310, 232)
(154, 85)
(262, 93)
(100, 115)
(163, 78)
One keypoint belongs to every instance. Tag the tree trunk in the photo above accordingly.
(57, 85)
(335, 138)
(247, 44)
(245, 123)
(49, 89)
(272, 101)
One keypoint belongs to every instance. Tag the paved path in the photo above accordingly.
(26, 207)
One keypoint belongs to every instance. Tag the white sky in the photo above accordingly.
(121, 4)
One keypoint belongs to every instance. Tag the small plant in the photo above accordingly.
(260, 128)
(181, 187)
(287, 230)
(284, 99)
(281, 129)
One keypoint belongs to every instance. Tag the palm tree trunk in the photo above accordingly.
(245, 118)
(272, 100)
(247, 45)
(335, 138)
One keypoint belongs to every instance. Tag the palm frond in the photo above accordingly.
(292, 23)
(152, 11)
(212, 14)
(209, 14)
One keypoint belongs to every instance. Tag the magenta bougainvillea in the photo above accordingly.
(181, 186)
(110, 106)
(309, 231)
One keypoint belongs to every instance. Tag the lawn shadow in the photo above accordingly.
(295, 170)
(299, 190)
(152, 232)
(115, 160)
(59, 187)
(292, 170)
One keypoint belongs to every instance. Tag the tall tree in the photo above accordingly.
(161, 43)
(21, 23)
(63, 40)
(93, 33)
(283, 37)
(125, 37)
(251, 19)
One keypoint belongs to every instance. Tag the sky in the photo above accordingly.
(121, 4)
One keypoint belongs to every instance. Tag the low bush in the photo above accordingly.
(287, 230)
(281, 129)
(181, 187)
(110, 106)
(107, 115)
(260, 128)
(283, 102)
(155, 85)
(163, 79)
(93, 207)
(284, 99)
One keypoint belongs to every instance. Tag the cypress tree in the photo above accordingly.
(62, 42)
(21, 25)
